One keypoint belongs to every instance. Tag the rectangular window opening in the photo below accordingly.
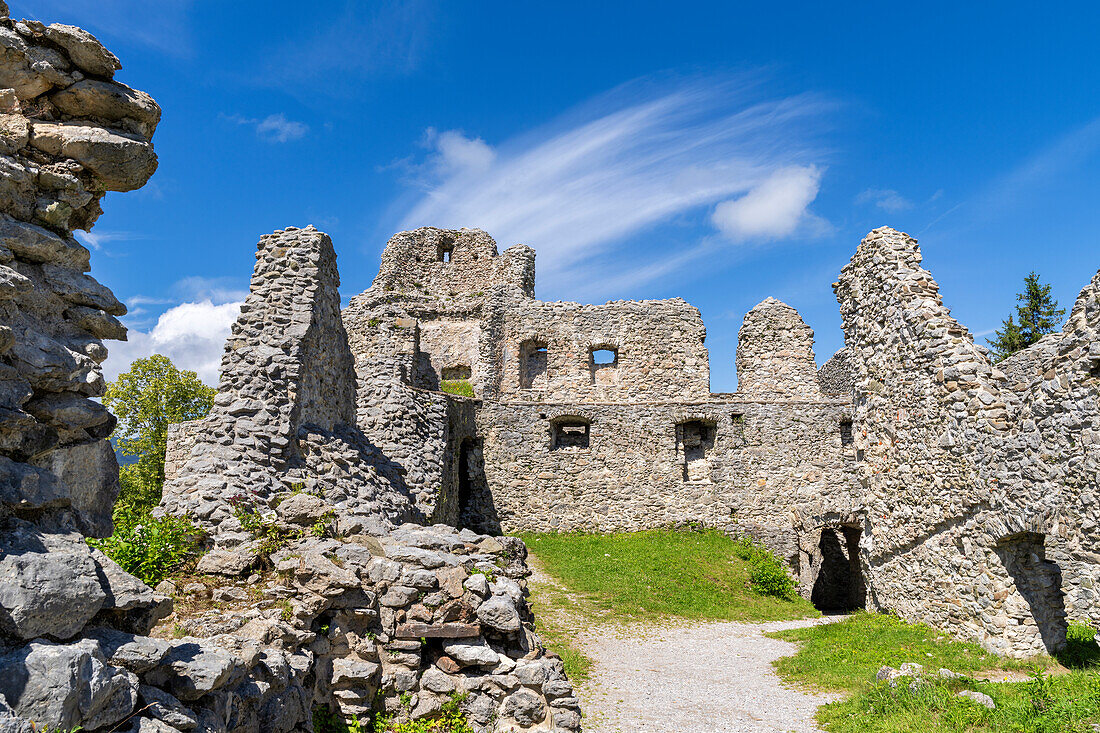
(571, 434)
(847, 437)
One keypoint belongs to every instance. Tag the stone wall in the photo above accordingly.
(775, 353)
(725, 463)
(969, 499)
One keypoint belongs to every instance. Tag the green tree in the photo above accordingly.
(146, 399)
(1038, 314)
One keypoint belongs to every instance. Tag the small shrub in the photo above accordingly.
(460, 387)
(152, 548)
(768, 575)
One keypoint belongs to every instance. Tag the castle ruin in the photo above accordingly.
(908, 473)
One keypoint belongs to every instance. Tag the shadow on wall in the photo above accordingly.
(476, 509)
(838, 585)
(1039, 582)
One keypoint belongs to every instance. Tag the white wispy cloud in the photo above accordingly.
(96, 240)
(887, 199)
(192, 335)
(640, 156)
(274, 128)
(1043, 167)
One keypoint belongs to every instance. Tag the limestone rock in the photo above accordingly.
(84, 49)
(120, 161)
(48, 584)
(192, 668)
(66, 685)
(304, 509)
(979, 697)
(499, 613)
(112, 102)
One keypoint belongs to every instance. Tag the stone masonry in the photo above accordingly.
(349, 607)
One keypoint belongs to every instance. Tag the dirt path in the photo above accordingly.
(702, 678)
(681, 677)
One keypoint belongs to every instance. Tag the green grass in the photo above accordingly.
(845, 656)
(657, 574)
(460, 387)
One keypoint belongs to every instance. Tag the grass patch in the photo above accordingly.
(460, 387)
(645, 576)
(1065, 704)
(845, 656)
(558, 619)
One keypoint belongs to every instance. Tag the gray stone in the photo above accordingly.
(66, 685)
(979, 697)
(499, 613)
(84, 49)
(192, 668)
(472, 653)
(524, 706)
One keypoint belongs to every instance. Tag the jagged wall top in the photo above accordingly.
(448, 262)
(288, 353)
(775, 353)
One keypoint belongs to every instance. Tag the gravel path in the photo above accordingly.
(701, 678)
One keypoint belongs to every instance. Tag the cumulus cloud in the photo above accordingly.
(456, 153)
(274, 128)
(886, 199)
(634, 158)
(192, 335)
(771, 210)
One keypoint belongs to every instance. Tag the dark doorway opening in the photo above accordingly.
(1040, 583)
(839, 586)
(465, 483)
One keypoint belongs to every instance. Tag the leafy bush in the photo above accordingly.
(460, 387)
(768, 575)
(1082, 647)
(149, 547)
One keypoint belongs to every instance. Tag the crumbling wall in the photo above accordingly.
(285, 409)
(956, 504)
(658, 348)
(835, 377)
(447, 263)
(775, 353)
(1059, 439)
(73, 647)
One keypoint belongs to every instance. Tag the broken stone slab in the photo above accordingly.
(134, 652)
(192, 668)
(35, 244)
(437, 631)
(84, 49)
(110, 101)
(472, 653)
(131, 605)
(353, 673)
(121, 161)
(80, 289)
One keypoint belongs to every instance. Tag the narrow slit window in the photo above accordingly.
(696, 439)
(445, 250)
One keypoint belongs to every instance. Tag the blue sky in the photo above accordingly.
(722, 152)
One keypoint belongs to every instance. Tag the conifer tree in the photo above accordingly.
(1038, 314)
